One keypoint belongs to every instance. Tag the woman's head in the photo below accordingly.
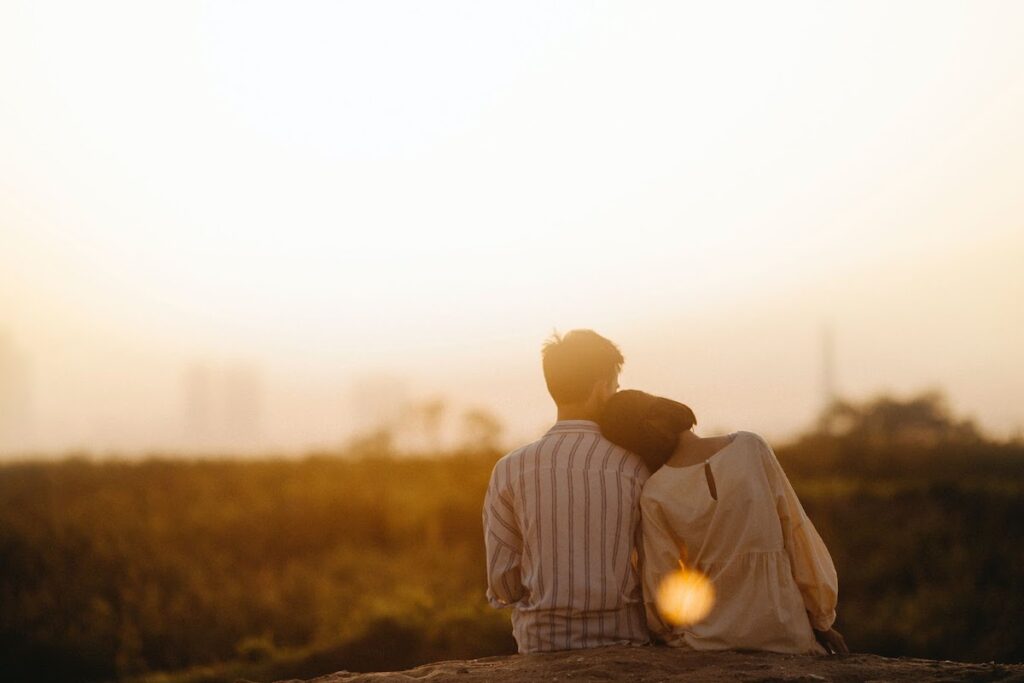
(646, 425)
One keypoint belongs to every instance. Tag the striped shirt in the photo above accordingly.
(563, 538)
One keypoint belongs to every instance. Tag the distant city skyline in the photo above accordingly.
(426, 194)
(222, 407)
(233, 407)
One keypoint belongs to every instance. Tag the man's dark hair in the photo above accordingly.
(577, 361)
(646, 425)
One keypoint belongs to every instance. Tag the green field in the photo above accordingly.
(174, 570)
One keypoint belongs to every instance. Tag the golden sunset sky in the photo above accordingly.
(336, 195)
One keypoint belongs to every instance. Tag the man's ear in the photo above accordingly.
(600, 391)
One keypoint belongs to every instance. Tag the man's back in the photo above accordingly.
(562, 526)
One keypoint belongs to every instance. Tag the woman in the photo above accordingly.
(724, 506)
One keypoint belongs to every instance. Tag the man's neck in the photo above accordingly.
(576, 413)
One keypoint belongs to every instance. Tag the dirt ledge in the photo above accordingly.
(670, 664)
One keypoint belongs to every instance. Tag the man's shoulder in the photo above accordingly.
(628, 462)
(510, 460)
(518, 453)
(598, 454)
(603, 454)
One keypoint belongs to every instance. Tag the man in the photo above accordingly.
(562, 515)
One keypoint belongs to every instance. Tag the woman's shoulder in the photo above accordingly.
(752, 438)
(752, 446)
(759, 454)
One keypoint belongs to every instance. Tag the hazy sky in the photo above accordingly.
(334, 192)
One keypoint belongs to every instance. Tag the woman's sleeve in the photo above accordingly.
(812, 565)
(660, 558)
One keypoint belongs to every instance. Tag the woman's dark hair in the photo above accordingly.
(646, 425)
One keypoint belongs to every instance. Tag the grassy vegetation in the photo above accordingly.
(170, 570)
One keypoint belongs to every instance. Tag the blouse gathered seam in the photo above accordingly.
(751, 553)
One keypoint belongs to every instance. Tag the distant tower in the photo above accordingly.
(828, 365)
(828, 375)
(15, 397)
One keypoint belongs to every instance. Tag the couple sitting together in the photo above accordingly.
(582, 526)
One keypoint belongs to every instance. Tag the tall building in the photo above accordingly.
(198, 405)
(243, 398)
(15, 397)
(222, 406)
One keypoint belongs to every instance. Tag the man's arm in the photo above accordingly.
(504, 545)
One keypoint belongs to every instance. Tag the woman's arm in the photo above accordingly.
(812, 566)
(660, 558)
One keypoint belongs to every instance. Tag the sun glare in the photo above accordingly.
(685, 597)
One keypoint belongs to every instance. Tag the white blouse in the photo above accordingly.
(772, 574)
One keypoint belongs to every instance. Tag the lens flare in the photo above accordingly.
(685, 597)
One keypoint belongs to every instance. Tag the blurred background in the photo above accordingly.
(274, 279)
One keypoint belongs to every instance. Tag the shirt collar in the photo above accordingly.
(563, 426)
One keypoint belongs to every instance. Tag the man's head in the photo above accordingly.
(581, 369)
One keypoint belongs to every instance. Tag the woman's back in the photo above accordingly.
(738, 521)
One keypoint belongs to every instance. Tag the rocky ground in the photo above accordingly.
(669, 664)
